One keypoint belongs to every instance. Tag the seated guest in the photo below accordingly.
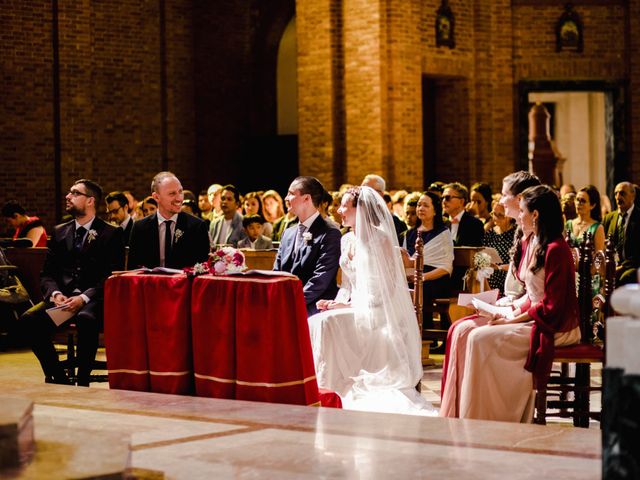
(323, 208)
(168, 238)
(379, 185)
(25, 226)
(149, 206)
(568, 205)
(500, 237)
(623, 225)
(567, 188)
(213, 192)
(227, 229)
(466, 230)
(289, 219)
(82, 254)
(190, 207)
(133, 203)
(438, 251)
(118, 213)
(506, 358)
(436, 187)
(204, 205)
(398, 198)
(587, 204)
(252, 205)
(410, 206)
(253, 227)
(334, 208)
(273, 206)
(480, 203)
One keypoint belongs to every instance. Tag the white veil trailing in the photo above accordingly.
(386, 326)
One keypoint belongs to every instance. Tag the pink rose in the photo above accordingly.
(219, 268)
(238, 258)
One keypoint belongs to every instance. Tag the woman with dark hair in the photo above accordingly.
(588, 220)
(252, 205)
(480, 197)
(510, 355)
(513, 185)
(26, 227)
(438, 250)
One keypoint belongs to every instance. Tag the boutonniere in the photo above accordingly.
(307, 237)
(178, 234)
(92, 235)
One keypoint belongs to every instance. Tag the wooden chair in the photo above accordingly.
(590, 349)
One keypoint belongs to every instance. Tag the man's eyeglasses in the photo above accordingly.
(449, 197)
(114, 211)
(77, 193)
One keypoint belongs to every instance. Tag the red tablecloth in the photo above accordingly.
(238, 337)
(147, 332)
(251, 340)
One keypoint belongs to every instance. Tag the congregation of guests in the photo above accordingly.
(532, 228)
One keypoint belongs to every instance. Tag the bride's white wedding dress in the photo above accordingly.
(370, 352)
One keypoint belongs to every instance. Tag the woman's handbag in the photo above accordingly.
(11, 289)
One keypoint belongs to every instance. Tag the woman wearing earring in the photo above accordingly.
(588, 220)
(511, 354)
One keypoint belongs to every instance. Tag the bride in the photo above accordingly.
(366, 344)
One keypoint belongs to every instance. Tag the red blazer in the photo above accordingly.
(556, 312)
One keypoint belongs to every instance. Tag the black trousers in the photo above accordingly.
(40, 329)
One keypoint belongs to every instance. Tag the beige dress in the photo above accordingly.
(487, 379)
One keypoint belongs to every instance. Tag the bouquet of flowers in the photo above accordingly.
(222, 261)
(481, 260)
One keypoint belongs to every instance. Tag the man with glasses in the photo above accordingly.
(466, 230)
(82, 254)
(623, 225)
(118, 213)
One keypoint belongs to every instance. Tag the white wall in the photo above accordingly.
(579, 135)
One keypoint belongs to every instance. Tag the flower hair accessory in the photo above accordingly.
(221, 262)
(307, 237)
(92, 235)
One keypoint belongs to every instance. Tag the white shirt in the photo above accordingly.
(161, 232)
(309, 221)
(126, 221)
(455, 226)
(225, 231)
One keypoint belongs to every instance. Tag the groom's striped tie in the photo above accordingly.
(299, 237)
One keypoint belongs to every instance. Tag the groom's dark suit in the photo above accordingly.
(315, 263)
(190, 246)
(72, 273)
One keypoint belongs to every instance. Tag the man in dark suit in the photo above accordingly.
(118, 213)
(169, 237)
(82, 254)
(466, 230)
(623, 225)
(310, 250)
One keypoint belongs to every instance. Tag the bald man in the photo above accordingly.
(623, 225)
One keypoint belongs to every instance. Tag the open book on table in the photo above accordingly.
(272, 273)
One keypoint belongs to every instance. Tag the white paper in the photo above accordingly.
(506, 312)
(493, 254)
(490, 297)
(58, 315)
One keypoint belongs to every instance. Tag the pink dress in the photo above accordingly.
(486, 370)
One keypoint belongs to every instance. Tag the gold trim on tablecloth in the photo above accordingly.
(254, 384)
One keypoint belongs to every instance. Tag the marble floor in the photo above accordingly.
(191, 438)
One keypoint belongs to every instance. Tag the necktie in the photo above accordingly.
(299, 237)
(79, 239)
(620, 235)
(167, 241)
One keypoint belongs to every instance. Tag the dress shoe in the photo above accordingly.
(60, 380)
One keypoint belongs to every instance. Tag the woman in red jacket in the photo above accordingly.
(505, 358)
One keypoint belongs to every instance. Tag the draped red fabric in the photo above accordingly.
(556, 312)
(148, 333)
(251, 340)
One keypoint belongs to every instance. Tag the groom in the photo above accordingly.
(310, 250)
